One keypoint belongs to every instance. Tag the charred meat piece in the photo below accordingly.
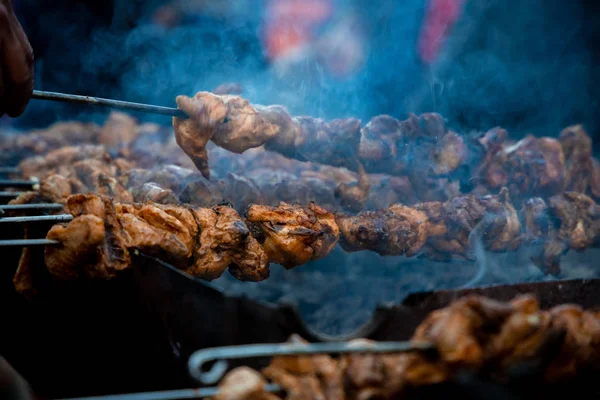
(531, 167)
(353, 197)
(304, 377)
(154, 193)
(578, 219)
(203, 242)
(229, 121)
(580, 167)
(396, 230)
(294, 235)
(194, 133)
(457, 225)
(225, 241)
(80, 241)
(110, 254)
(118, 131)
(153, 231)
(243, 383)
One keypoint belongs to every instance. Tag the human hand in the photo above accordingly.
(12, 385)
(16, 63)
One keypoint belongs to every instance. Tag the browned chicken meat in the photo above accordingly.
(531, 167)
(244, 383)
(225, 241)
(581, 170)
(155, 193)
(294, 235)
(474, 333)
(353, 197)
(41, 165)
(207, 241)
(306, 377)
(229, 121)
(119, 130)
(396, 230)
(80, 240)
(204, 242)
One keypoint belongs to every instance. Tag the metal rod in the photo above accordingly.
(169, 394)
(97, 101)
(38, 218)
(18, 183)
(199, 358)
(42, 206)
(28, 242)
(10, 194)
(9, 170)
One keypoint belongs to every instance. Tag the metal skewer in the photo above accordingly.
(199, 358)
(28, 243)
(9, 170)
(38, 218)
(41, 206)
(168, 394)
(97, 101)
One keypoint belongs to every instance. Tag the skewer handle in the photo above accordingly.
(97, 101)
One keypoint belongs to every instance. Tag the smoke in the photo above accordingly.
(528, 66)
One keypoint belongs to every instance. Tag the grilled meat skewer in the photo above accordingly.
(435, 159)
(206, 241)
(486, 337)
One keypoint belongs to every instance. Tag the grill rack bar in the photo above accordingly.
(9, 170)
(199, 358)
(16, 183)
(169, 394)
(10, 194)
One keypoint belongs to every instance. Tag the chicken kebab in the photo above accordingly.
(439, 163)
(146, 161)
(482, 336)
(205, 242)
(130, 165)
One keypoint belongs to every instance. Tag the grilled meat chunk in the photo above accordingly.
(225, 241)
(39, 166)
(294, 235)
(203, 242)
(229, 121)
(490, 338)
(396, 230)
(80, 240)
(118, 131)
(243, 383)
(155, 193)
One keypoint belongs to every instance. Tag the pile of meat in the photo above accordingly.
(493, 339)
(393, 187)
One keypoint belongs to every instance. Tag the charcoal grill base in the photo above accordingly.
(136, 332)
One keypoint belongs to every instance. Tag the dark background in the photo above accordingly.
(530, 66)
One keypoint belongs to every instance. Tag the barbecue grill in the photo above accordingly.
(157, 316)
(183, 314)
